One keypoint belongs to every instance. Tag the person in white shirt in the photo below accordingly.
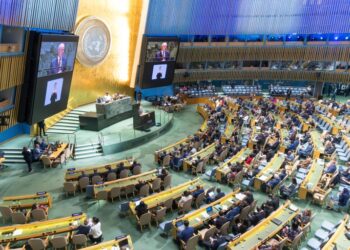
(107, 97)
(185, 197)
(95, 234)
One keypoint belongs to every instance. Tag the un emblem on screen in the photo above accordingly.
(95, 41)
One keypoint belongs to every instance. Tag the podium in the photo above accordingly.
(107, 114)
(143, 121)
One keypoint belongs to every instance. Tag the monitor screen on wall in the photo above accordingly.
(159, 61)
(51, 86)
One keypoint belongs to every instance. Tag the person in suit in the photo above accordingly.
(163, 54)
(42, 126)
(84, 228)
(187, 233)
(198, 191)
(141, 209)
(59, 63)
(27, 155)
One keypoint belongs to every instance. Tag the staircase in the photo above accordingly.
(68, 124)
(13, 155)
(90, 150)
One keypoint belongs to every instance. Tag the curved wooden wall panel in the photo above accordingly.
(320, 53)
(196, 75)
(11, 71)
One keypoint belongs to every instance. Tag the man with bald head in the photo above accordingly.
(163, 54)
(59, 63)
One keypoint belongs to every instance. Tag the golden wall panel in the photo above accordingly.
(114, 73)
(261, 75)
(324, 53)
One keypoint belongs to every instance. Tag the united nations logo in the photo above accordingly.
(95, 41)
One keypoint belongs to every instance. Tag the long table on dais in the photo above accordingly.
(40, 229)
(266, 229)
(27, 201)
(92, 190)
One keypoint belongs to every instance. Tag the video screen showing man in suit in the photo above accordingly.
(162, 51)
(56, 58)
(59, 63)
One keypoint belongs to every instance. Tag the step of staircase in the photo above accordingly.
(87, 147)
(65, 124)
(79, 157)
(14, 161)
(56, 131)
(88, 151)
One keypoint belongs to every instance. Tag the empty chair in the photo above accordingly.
(69, 188)
(38, 214)
(115, 192)
(244, 213)
(59, 242)
(124, 173)
(136, 170)
(144, 190)
(145, 220)
(224, 228)
(38, 244)
(46, 161)
(206, 233)
(168, 204)
(296, 242)
(129, 190)
(191, 243)
(111, 176)
(167, 181)
(102, 195)
(166, 161)
(198, 168)
(83, 183)
(18, 218)
(96, 179)
(156, 184)
(6, 213)
(79, 240)
(199, 200)
(159, 216)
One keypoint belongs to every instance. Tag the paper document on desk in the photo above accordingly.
(205, 215)
(17, 232)
(293, 207)
(225, 169)
(240, 196)
(263, 178)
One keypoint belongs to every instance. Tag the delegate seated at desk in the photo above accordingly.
(186, 233)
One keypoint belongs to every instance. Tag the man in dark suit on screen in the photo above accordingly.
(59, 64)
(163, 54)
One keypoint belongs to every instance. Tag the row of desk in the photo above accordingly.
(224, 169)
(318, 144)
(312, 178)
(338, 239)
(73, 174)
(266, 229)
(158, 199)
(27, 201)
(204, 153)
(39, 229)
(269, 170)
(92, 190)
(200, 216)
